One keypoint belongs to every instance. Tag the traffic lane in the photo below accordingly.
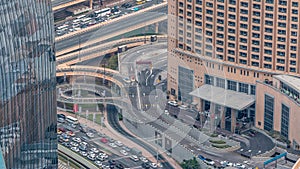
(136, 52)
(114, 153)
(115, 124)
(107, 29)
(59, 2)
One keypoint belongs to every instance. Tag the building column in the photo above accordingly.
(212, 116)
(233, 120)
(91, 4)
(156, 27)
(200, 105)
(222, 115)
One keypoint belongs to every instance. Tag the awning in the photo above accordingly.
(223, 97)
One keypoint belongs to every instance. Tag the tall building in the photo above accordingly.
(27, 84)
(219, 49)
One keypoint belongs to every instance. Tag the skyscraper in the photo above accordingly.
(27, 84)
(222, 47)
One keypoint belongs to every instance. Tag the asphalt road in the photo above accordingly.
(59, 2)
(110, 28)
(113, 120)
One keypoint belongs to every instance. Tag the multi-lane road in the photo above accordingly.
(112, 29)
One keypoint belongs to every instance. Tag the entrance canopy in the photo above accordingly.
(223, 97)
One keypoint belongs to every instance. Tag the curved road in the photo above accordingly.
(114, 123)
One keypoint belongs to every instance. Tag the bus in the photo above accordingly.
(81, 16)
(103, 12)
(138, 2)
(71, 120)
(63, 27)
(86, 20)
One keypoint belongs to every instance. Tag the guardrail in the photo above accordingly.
(105, 45)
(108, 22)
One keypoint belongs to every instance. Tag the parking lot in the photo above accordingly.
(103, 151)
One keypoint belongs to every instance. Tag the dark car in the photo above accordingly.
(112, 162)
(126, 5)
(120, 166)
(146, 165)
(61, 116)
(201, 157)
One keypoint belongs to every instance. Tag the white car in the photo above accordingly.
(91, 157)
(103, 155)
(90, 135)
(153, 165)
(95, 150)
(76, 139)
(113, 145)
(83, 144)
(118, 143)
(123, 152)
(134, 158)
(83, 153)
(173, 103)
(209, 161)
(167, 112)
(98, 163)
(76, 149)
(73, 144)
(183, 107)
(144, 159)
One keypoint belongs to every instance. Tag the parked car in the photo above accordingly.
(209, 161)
(201, 157)
(123, 152)
(134, 158)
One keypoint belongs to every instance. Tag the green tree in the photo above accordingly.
(190, 164)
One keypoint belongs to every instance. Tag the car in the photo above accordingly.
(118, 143)
(60, 120)
(90, 135)
(62, 129)
(126, 148)
(153, 165)
(173, 103)
(123, 152)
(103, 140)
(91, 157)
(146, 165)
(111, 140)
(76, 139)
(83, 153)
(167, 112)
(85, 144)
(61, 116)
(209, 161)
(144, 159)
(120, 166)
(240, 166)
(95, 150)
(113, 145)
(126, 5)
(82, 148)
(98, 163)
(84, 138)
(134, 158)
(74, 144)
(71, 133)
(99, 157)
(64, 139)
(201, 157)
(76, 149)
(112, 162)
(103, 155)
(59, 132)
(66, 144)
(224, 163)
(94, 131)
(126, 79)
(183, 107)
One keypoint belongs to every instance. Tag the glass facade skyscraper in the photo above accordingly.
(27, 84)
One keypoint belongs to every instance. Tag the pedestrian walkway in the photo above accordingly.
(63, 165)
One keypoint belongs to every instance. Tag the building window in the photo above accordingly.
(285, 111)
(231, 85)
(220, 82)
(268, 113)
(243, 87)
(185, 84)
(252, 91)
(209, 80)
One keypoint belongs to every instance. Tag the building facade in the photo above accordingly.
(278, 106)
(27, 84)
(230, 44)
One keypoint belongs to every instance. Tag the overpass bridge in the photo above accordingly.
(116, 27)
(60, 4)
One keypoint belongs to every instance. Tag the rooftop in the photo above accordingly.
(291, 81)
(223, 97)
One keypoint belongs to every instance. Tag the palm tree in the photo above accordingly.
(190, 164)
